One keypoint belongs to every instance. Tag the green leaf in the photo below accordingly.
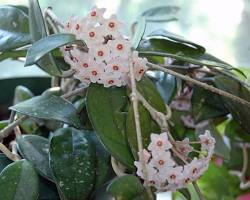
(36, 150)
(239, 112)
(235, 132)
(12, 54)
(4, 161)
(127, 187)
(21, 94)
(49, 107)
(72, 159)
(217, 183)
(3, 124)
(106, 109)
(148, 125)
(19, 181)
(140, 28)
(103, 165)
(14, 29)
(166, 84)
(38, 31)
(47, 190)
(46, 45)
(176, 38)
(206, 105)
(161, 13)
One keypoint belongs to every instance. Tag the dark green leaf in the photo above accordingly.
(127, 188)
(161, 13)
(176, 38)
(206, 105)
(105, 107)
(4, 161)
(49, 107)
(46, 45)
(240, 113)
(103, 165)
(36, 150)
(12, 54)
(14, 29)
(21, 94)
(47, 190)
(235, 132)
(185, 193)
(19, 181)
(3, 124)
(148, 125)
(38, 31)
(140, 28)
(72, 159)
(217, 183)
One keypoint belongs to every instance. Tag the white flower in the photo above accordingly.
(117, 65)
(194, 169)
(96, 15)
(112, 26)
(101, 52)
(120, 47)
(92, 35)
(159, 142)
(172, 174)
(145, 156)
(162, 161)
(207, 141)
(140, 68)
(184, 147)
(95, 72)
(109, 80)
(83, 77)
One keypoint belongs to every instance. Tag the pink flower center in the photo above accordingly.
(119, 46)
(111, 24)
(195, 170)
(94, 73)
(100, 53)
(159, 143)
(152, 182)
(85, 65)
(172, 177)
(77, 26)
(91, 34)
(110, 82)
(115, 67)
(161, 162)
(141, 71)
(93, 13)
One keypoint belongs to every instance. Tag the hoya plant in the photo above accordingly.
(123, 117)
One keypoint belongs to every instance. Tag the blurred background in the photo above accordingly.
(220, 26)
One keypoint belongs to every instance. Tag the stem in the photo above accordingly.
(201, 84)
(54, 19)
(8, 153)
(197, 189)
(55, 81)
(118, 171)
(245, 160)
(74, 92)
(134, 100)
(7, 130)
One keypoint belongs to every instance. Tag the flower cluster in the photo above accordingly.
(108, 55)
(163, 171)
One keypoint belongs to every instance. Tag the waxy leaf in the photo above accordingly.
(148, 125)
(38, 31)
(207, 105)
(106, 109)
(49, 107)
(46, 45)
(72, 159)
(19, 181)
(239, 112)
(4, 161)
(14, 28)
(36, 150)
(127, 188)
(161, 13)
(140, 28)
